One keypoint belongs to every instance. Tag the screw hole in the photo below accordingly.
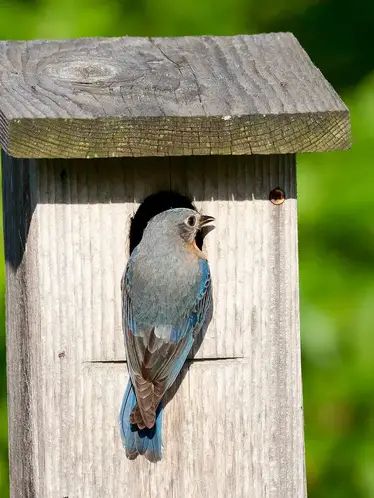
(277, 196)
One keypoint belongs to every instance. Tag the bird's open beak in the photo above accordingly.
(205, 220)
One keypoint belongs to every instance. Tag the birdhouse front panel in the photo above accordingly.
(237, 392)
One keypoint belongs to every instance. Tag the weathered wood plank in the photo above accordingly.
(22, 315)
(221, 436)
(76, 250)
(166, 96)
(92, 205)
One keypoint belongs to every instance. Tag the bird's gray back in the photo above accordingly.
(163, 278)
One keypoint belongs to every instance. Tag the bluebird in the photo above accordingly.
(166, 301)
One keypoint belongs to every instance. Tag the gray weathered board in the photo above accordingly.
(166, 96)
(235, 425)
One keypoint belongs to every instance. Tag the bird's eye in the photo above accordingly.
(191, 221)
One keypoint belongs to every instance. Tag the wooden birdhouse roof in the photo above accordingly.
(113, 97)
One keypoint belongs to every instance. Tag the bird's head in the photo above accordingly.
(191, 222)
(183, 222)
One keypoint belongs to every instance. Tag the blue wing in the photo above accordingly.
(155, 357)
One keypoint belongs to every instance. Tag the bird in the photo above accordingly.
(166, 301)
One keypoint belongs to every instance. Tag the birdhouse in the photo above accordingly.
(98, 135)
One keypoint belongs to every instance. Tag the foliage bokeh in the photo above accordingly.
(336, 205)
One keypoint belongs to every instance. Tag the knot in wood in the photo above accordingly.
(82, 71)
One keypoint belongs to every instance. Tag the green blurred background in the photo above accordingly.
(336, 206)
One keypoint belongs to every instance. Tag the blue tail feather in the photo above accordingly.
(147, 442)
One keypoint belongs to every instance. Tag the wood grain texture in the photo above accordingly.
(235, 425)
(21, 310)
(126, 96)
